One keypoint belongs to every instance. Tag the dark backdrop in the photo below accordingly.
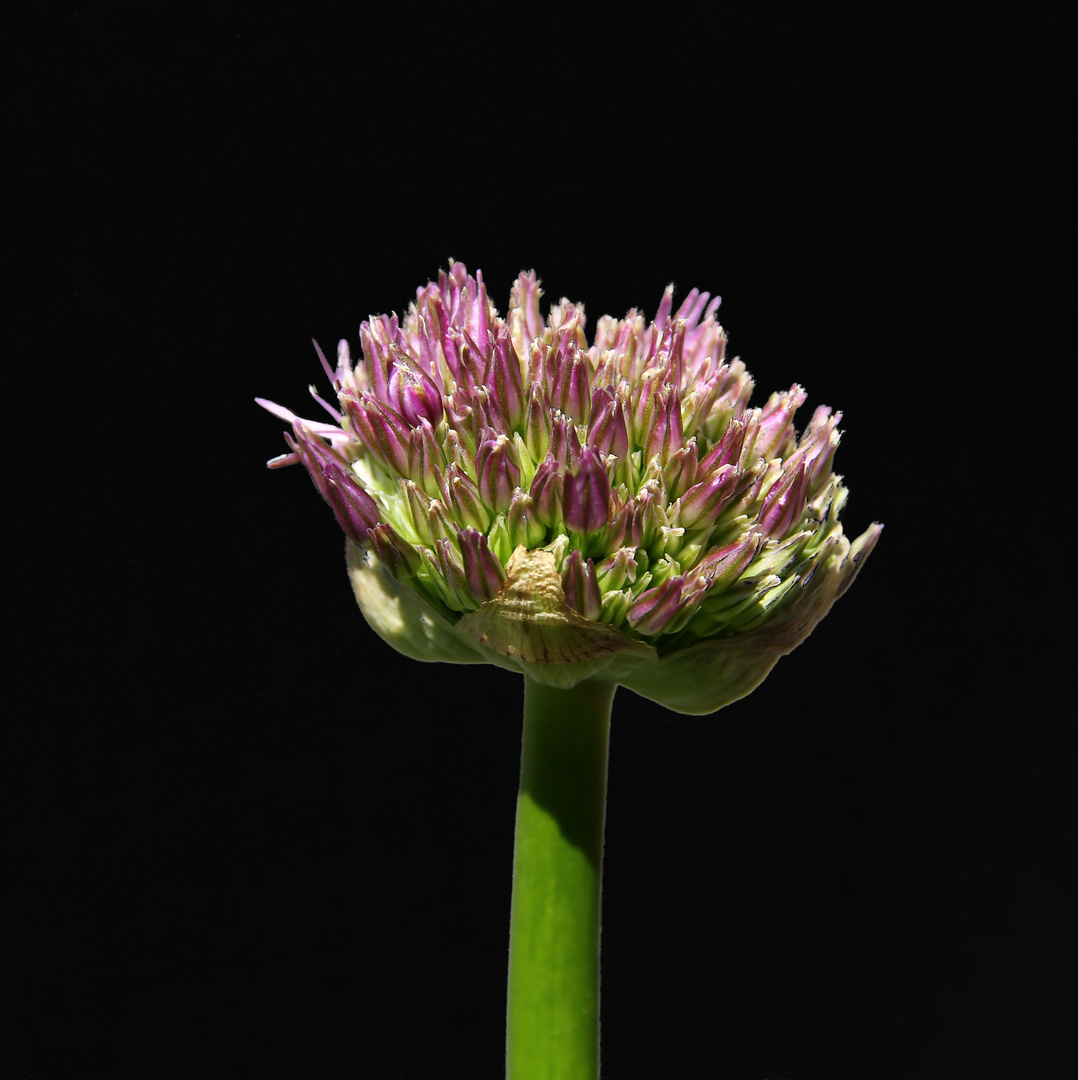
(245, 839)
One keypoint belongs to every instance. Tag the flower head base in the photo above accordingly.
(512, 494)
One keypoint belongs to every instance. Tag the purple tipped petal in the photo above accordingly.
(333, 432)
(330, 373)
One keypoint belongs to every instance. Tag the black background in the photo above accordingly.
(245, 839)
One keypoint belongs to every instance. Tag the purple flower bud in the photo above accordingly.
(618, 570)
(466, 415)
(785, 502)
(581, 586)
(418, 503)
(537, 422)
(355, 510)
(817, 445)
(413, 393)
(727, 451)
(586, 497)
(648, 518)
(394, 553)
(564, 441)
(570, 391)
(424, 345)
(375, 347)
(525, 322)
(674, 436)
(482, 570)
(504, 380)
(608, 433)
(670, 351)
(663, 435)
(382, 431)
(645, 402)
(654, 610)
(447, 338)
(454, 584)
(620, 529)
(750, 485)
(681, 470)
(313, 452)
(777, 422)
(464, 500)
(473, 359)
(546, 492)
(477, 323)
(702, 503)
(522, 521)
(456, 453)
(441, 524)
(425, 458)
(725, 565)
(497, 470)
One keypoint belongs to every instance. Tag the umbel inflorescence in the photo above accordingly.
(544, 502)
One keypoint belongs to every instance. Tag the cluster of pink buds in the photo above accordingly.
(670, 507)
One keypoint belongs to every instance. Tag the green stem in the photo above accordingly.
(553, 1017)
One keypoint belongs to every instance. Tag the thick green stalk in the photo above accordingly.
(553, 1017)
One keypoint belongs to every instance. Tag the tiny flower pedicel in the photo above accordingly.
(590, 515)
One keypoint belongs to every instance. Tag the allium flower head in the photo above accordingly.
(513, 494)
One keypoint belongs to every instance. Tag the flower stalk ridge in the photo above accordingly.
(516, 495)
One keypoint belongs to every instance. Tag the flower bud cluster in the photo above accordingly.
(670, 505)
